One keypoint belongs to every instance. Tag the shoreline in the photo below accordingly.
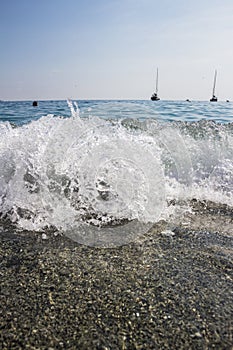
(159, 292)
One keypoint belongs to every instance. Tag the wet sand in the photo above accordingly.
(163, 291)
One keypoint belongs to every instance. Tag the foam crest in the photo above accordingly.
(91, 177)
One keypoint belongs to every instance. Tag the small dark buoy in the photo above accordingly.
(227, 101)
(187, 100)
(35, 103)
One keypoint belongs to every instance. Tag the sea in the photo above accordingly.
(105, 172)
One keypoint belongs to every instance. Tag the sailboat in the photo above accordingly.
(155, 97)
(214, 98)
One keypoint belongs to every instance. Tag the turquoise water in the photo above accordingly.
(20, 112)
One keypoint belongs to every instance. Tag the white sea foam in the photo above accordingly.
(78, 175)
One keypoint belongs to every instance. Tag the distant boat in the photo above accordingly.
(214, 98)
(155, 97)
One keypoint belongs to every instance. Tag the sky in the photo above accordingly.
(110, 49)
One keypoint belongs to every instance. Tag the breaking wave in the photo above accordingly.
(106, 180)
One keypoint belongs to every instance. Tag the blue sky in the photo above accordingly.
(99, 49)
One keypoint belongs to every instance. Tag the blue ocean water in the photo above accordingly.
(20, 112)
(88, 167)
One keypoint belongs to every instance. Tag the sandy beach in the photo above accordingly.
(167, 290)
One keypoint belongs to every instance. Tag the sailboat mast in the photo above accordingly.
(157, 77)
(154, 96)
(215, 76)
